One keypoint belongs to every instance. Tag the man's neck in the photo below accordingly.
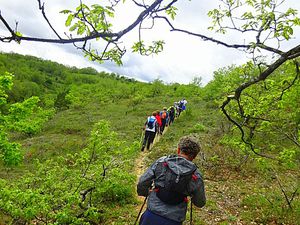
(185, 156)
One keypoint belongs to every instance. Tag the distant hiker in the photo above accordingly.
(158, 122)
(171, 112)
(184, 101)
(150, 131)
(174, 178)
(180, 107)
(164, 118)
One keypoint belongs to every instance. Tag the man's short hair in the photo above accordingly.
(154, 113)
(189, 145)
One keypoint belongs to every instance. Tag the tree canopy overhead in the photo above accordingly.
(264, 25)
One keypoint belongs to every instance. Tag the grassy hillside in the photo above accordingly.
(90, 148)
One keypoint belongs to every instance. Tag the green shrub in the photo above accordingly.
(118, 188)
(197, 128)
(61, 102)
(72, 189)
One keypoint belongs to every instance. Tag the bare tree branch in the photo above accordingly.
(13, 34)
(103, 35)
(42, 8)
(293, 81)
(203, 37)
(229, 98)
(284, 57)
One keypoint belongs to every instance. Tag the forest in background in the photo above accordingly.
(70, 137)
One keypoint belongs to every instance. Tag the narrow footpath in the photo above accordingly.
(141, 166)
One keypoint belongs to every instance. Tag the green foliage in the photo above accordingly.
(267, 207)
(199, 127)
(135, 101)
(268, 114)
(64, 155)
(271, 107)
(95, 15)
(5, 85)
(171, 11)
(73, 188)
(256, 15)
(10, 151)
(288, 158)
(157, 88)
(263, 164)
(62, 102)
(155, 48)
(117, 188)
(197, 81)
(27, 117)
(62, 165)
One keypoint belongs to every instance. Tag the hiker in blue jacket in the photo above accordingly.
(150, 127)
(184, 102)
(173, 179)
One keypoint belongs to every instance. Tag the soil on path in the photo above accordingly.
(141, 165)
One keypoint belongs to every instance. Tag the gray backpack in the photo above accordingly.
(175, 187)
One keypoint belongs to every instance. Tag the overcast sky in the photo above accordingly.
(183, 58)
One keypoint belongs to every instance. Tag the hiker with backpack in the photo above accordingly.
(184, 102)
(164, 118)
(150, 127)
(158, 122)
(180, 107)
(173, 178)
(171, 112)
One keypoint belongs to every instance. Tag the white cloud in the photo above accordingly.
(184, 56)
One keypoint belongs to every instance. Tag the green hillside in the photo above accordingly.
(78, 145)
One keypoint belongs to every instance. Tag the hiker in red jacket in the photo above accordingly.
(164, 119)
(158, 119)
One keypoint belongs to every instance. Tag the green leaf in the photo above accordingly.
(69, 20)
(171, 11)
(81, 30)
(72, 28)
(66, 11)
(18, 34)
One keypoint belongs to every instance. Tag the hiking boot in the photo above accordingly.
(143, 148)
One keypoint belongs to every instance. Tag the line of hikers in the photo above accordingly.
(170, 180)
(156, 123)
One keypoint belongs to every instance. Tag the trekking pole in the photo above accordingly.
(191, 214)
(140, 211)
(141, 139)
